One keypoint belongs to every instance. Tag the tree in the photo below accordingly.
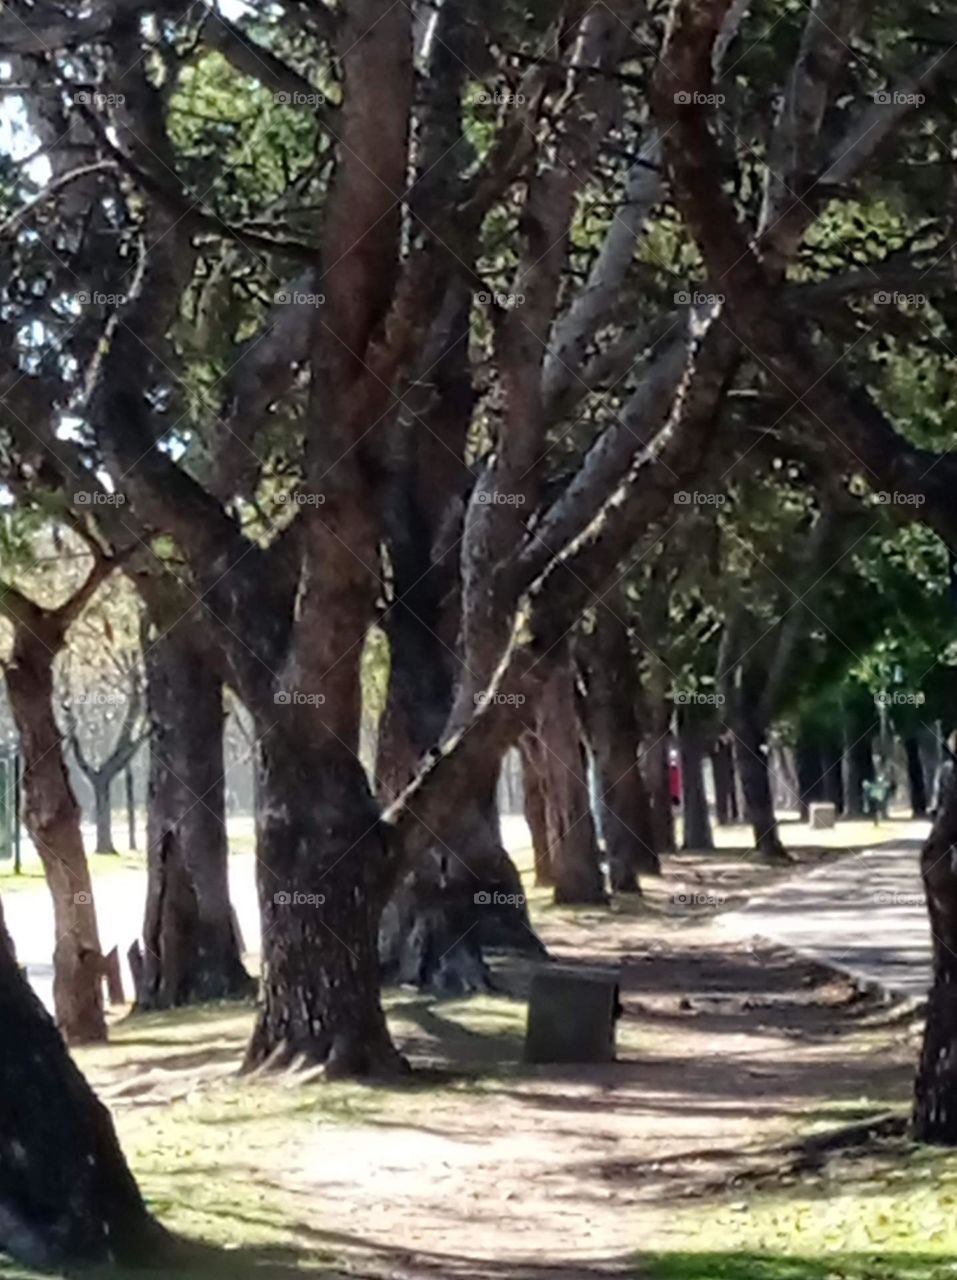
(50, 809)
(67, 1194)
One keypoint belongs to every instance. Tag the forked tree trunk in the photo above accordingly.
(751, 757)
(323, 880)
(103, 806)
(557, 744)
(935, 1088)
(694, 802)
(52, 817)
(191, 952)
(67, 1196)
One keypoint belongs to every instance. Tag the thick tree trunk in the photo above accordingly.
(935, 1088)
(52, 817)
(323, 879)
(67, 1196)
(103, 805)
(611, 725)
(129, 791)
(751, 757)
(915, 777)
(697, 820)
(808, 762)
(556, 741)
(725, 783)
(191, 952)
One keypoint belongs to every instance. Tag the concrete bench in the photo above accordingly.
(821, 815)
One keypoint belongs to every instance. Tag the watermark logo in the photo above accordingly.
(93, 98)
(486, 699)
(83, 899)
(894, 498)
(99, 699)
(685, 98)
(507, 300)
(295, 698)
(900, 698)
(298, 298)
(888, 298)
(485, 898)
(98, 498)
(299, 99)
(694, 697)
(890, 898)
(496, 499)
(691, 298)
(697, 898)
(897, 98)
(98, 299)
(295, 899)
(694, 498)
(303, 498)
(501, 99)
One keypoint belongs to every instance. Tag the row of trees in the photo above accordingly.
(451, 325)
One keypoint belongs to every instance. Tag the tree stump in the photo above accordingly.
(572, 1015)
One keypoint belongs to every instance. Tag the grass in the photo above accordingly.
(889, 1217)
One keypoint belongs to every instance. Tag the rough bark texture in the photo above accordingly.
(751, 758)
(694, 803)
(66, 1193)
(935, 1088)
(321, 873)
(52, 817)
(557, 744)
(191, 952)
(610, 721)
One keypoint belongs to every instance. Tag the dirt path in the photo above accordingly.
(726, 1048)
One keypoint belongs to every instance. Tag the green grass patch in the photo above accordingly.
(887, 1216)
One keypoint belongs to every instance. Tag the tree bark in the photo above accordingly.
(322, 878)
(751, 759)
(536, 814)
(556, 740)
(915, 777)
(67, 1196)
(128, 784)
(52, 817)
(935, 1088)
(662, 805)
(725, 783)
(103, 805)
(191, 952)
(609, 717)
(697, 820)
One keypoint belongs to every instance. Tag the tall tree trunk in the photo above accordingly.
(67, 1196)
(725, 783)
(609, 718)
(322, 878)
(191, 952)
(858, 769)
(808, 760)
(751, 757)
(935, 1088)
(103, 805)
(658, 766)
(915, 777)
(571, 831)
(52, 817)
(536, 814)
(697, 820)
